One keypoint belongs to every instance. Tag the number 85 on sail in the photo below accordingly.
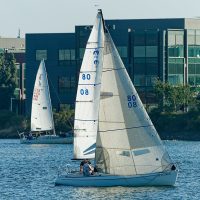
(132, 101)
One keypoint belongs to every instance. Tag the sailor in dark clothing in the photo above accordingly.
(82, 163)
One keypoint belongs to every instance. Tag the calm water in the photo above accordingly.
(29, 172)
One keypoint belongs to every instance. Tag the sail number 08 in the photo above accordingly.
(84, 91)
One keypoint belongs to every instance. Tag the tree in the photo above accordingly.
(64, 119)
(173, 98)
(8, 79)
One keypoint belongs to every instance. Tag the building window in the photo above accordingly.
(191, 37)
(139, 51)
(175, 79)
(41, 54)
(122, 51)
(151, 51)
(65, 83)
(66, 56)
(139, 80)
(194, 51)
(175, 51)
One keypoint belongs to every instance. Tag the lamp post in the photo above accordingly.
(11, 103)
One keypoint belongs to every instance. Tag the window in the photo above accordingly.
(193, 51)
(41, 54)
(65, 83)
(191, 37)
(150, 80)
(175, 79)
(139, 80)
(151, 51)
(139, 51)
(122, 51)
(66, 54)
(175, 51)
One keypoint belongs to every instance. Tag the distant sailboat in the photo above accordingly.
(42, 123)
(128, 149)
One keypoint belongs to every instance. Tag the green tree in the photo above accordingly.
(64, 119)
(8, 79)
(173, 98)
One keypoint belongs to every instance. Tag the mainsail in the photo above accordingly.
(127, 142)
(88, 94)
(41, 114)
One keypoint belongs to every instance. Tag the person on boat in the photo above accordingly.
(82, 163)
(87, 168)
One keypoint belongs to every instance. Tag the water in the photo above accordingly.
(29, 172)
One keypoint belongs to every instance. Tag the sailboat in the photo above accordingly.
(42, 123)
(128, 149)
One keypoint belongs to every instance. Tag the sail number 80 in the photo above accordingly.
(86, 76)
(132, 101)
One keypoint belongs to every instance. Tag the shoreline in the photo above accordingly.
(182, 135)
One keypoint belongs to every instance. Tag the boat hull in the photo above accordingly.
(47, 140)
(153, 179)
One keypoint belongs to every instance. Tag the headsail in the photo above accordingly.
(127, 142)
(88, 93)
(41, 114)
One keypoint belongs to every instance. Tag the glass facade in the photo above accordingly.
(150, 49)
(41, 54)
(193, 38)
(175, 68)
(65, 83)
(145, 58)
(66, 56)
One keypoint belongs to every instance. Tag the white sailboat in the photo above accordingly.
(42, 123)
(128, 151)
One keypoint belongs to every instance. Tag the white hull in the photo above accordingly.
(152, 179)
(47, 139)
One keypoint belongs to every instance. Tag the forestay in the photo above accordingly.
(41, 114)
(88, 94)
(127, 142)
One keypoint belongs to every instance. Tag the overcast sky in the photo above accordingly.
(60, 16)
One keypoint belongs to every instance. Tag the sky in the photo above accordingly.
(61, 16)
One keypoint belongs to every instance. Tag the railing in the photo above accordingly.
(68, 169)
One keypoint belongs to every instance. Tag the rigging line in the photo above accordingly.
(111, 122)
(93, 47)
(84, 101)
(86, 120)
(112, 69)
(87, 71)
(126, 128)
(95, 84)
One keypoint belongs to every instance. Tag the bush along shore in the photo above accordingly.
(177, 126)
(170, 126)
(12, 124)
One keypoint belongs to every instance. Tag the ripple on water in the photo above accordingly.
(29, 172)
